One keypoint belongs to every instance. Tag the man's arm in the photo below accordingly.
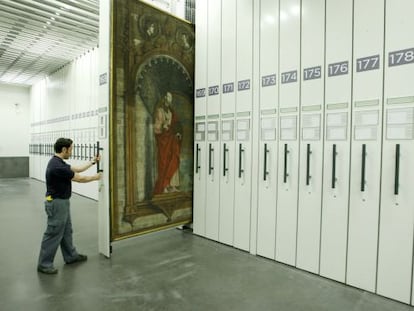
(84, 167)
(84, 179)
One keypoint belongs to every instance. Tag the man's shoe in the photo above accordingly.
(44, 270)
(80, 258)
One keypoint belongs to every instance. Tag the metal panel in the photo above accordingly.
(311, 142)
(228, 107)
(213, 121)
(336, 145)
(365, 143)
(395, 253)
(243, 184)
(268, 172)
(200, 109)
(289, 102)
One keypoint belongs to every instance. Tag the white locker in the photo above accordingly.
(311, 142)
(37, 117)
(31, 150)
(365, 143)
(44, 115)
(35, 157)
(228, 108)
(395, 253)
(213, 120)
(200, 168)
(289, 102)
(338, 55)
(267, 188)
(243, 185)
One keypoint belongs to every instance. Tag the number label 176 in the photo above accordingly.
(337, 69)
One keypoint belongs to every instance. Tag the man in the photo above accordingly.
(168, 136)
(59, 177)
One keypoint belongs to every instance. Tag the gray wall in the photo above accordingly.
(14, 167)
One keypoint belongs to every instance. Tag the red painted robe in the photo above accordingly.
(168, 146)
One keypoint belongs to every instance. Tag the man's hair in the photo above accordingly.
(62, 142)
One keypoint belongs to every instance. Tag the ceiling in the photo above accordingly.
(37, 37)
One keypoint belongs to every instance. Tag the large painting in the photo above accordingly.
(152, 119)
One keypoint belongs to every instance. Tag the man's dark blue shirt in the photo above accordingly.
(58, 179)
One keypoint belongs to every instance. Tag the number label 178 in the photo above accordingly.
(401, 57)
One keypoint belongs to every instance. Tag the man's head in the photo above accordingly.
(63, 147)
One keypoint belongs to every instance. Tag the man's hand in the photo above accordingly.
(98, 176)
(96, 159)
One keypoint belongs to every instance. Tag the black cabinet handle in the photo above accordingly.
(308, 153)
(397, 169)
(364, 154)
(333, 166)
(241, 150)
(210, 151)
(265, 172)
(285, 173)
(225, 151)
(98, 149)
(197, 160)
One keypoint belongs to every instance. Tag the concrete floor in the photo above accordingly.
(170, 270)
